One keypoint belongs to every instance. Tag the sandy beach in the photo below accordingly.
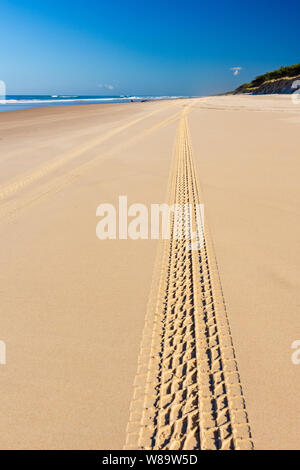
(74, 309)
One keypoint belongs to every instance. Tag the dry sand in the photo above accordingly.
(73, 307)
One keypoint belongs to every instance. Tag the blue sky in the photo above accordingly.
(162, 47)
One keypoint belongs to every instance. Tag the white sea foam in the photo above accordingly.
(65, 99)
(23, 102)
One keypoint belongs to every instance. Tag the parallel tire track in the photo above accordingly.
(23, 181)
(187, 391)
(13, 207)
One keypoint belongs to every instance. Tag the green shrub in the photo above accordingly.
(289, 71)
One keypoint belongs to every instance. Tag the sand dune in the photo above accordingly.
(219, 323)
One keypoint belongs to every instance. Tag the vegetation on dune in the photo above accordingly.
(283, 72)
(243, 87)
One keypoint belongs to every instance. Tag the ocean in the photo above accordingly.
(14, 102)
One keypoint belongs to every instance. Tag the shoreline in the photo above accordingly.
(60, 103)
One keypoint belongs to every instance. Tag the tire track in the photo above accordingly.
(187, 391)
(12, 207)
(23, 181)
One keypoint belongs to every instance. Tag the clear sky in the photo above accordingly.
(164, 47)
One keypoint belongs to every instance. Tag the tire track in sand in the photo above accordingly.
(17, 184)
(14, 206)
(187, 391)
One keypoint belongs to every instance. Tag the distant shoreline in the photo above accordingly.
(23, 102)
